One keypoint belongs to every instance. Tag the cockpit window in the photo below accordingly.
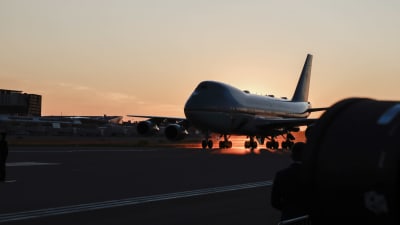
(203, 86)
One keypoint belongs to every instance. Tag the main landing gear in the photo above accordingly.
(225, 143)
(251, 144)
(208, 143)
(271, 143)
(288, 143)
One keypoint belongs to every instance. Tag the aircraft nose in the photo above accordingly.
(205, 102)
(194, 103)
(209, 97)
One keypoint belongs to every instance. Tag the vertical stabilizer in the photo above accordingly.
(303, 85)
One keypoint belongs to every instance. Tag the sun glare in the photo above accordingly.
(238, 145)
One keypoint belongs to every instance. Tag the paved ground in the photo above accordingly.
(75, 185)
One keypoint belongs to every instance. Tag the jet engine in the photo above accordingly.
(147, 128)
(175, 132)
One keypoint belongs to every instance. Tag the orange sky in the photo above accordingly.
(145, 57)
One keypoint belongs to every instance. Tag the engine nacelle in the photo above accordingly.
(147, 128)
(175, 132)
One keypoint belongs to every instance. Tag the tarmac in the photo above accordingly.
(139, 185)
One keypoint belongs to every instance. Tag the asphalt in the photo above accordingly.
(135, 185)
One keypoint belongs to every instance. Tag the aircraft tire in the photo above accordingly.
(247, 144)
(268, 145)
(275, 145)
(204, 144)
(210, 144)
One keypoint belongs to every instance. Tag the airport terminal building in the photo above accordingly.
(17, 103)
(21, 114)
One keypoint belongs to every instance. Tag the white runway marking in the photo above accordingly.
(10, 181)
(31, 164)
(8, 217)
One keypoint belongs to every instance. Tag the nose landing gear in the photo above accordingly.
(207, 143)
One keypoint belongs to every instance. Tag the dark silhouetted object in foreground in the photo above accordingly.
(3, 156)
(353, 154)
(289, 194)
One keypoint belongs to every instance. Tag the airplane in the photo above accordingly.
(216, 107)
(56, 121)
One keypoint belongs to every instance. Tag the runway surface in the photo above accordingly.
(114, 185)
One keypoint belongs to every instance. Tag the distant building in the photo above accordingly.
(16, 103)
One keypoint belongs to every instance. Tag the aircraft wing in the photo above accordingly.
(161, 119)
(317, 109)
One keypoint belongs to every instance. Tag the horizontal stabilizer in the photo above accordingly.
(317, 109)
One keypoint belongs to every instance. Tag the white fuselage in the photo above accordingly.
(221, 108)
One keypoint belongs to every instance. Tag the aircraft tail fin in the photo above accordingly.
(303, 85)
